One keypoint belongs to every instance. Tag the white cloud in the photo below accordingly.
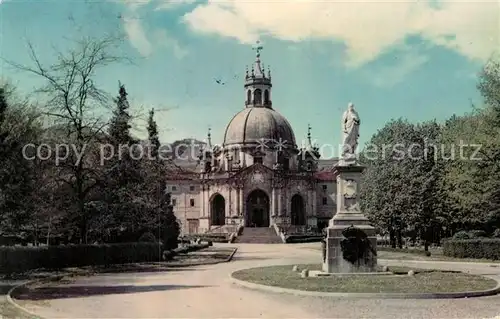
(403, 65)
(137, 36)
(170, 42)
(367, 28)
(140, 38)
(172, 4)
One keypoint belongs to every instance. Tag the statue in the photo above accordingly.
(350, 128)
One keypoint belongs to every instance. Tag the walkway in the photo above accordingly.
(206, 292)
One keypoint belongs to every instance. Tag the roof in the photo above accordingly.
(325, 176)
(256, 124)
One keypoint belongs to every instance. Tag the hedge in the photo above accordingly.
(295, 239)
(20, 259)
(406, 251)
(478, 248)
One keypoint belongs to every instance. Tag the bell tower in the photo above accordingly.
(257, 83)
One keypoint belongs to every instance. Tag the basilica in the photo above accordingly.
(258, 176)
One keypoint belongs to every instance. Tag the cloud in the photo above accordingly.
(137, 36)
(172, 4)
(140, 38)
(170, 42)
(388, 76)
(367, 28)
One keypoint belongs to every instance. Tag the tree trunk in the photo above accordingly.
(392, 237)
(399, 238)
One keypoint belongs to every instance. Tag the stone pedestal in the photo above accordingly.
(348, 214)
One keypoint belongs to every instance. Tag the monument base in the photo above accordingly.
(348, 215)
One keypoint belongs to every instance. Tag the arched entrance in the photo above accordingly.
(298, 210)
(218, 211)
(257, 209)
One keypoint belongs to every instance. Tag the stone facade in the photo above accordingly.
(258, 176)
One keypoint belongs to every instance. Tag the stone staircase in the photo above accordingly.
(259, 235)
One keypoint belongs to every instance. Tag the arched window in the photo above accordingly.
(257, 97)
(266, 97)
(218, 211)
(249, 96)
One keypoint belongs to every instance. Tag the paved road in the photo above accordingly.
(206, 292)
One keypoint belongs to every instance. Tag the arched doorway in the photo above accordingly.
(257, 209)
(298, 210)
(218, 211)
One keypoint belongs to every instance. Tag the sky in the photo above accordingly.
(413, 59)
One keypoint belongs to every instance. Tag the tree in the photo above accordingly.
(73, 99)
(171, 228)
(154, 140)
(119, 129)
(19, 125)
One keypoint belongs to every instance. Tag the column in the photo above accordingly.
(238, 201)
(309, 203)
(280, 207)
(314, 203)
(202, 200)
(230, 204)
(242, 214)
(273, 202)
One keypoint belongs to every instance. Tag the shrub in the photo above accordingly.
(469, 234)
(477, 234)
(21, 259)
(496, 233)
(294, 239)
(406, 251)
(461, 235)
(480, 248)
(383, 242)
(147, 238)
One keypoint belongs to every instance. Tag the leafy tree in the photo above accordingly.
(19, 125)
(171, 228)
(73, 99)
(154, 140)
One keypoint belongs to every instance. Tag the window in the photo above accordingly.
(325, 187)
(249, 97)
(174, 188)
(257, 160)
(191, 188)
(257, 97)
(266, 97)
(174, 202)
(325, 200)
(191, 202)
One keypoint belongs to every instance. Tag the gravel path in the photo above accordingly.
(206, 292)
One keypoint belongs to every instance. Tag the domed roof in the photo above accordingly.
(253, 125)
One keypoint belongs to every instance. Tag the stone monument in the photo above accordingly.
(350, 239)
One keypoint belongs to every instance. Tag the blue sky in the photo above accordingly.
(416, 60)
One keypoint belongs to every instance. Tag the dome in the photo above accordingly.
(253, 125)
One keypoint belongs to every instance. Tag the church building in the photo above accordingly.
(258, 176)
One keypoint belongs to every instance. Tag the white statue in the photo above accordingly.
(350, 128)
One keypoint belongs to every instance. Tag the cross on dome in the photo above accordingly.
(258, 47)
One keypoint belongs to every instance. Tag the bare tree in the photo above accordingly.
(74, 100)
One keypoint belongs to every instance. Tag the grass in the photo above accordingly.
(424, 281)
(7, 311)
(436, 255)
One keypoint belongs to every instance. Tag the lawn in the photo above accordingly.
(424, 281)
(7, 311)
(436, 255)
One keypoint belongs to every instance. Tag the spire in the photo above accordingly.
(257, 84)
(257, 67)
(309, 135)
(209, 138)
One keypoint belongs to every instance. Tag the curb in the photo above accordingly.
(232, 255)
(297, 292)
(11, 301)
